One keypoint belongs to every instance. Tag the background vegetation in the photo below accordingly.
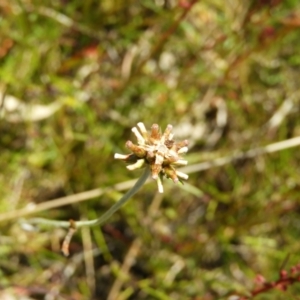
(75, 76)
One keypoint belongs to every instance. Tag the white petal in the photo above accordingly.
(136, 165)
(180, 162)
(139, 137)
(142, 127)
(183, 150)
(120, 156)
(182, 175)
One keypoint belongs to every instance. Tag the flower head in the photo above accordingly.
(157, 151)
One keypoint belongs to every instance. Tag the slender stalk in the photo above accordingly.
(48, 223)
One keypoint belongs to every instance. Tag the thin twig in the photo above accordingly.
(221, 161)
(67, 240)
(285, 280)
(62, 201)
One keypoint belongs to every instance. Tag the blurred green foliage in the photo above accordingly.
(224, 73)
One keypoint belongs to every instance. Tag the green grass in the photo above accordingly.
(111, 64)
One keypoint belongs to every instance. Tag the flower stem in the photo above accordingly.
(48, 223)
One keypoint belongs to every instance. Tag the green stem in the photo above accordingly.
(98, 221)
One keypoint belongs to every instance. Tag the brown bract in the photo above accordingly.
(157, 151)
